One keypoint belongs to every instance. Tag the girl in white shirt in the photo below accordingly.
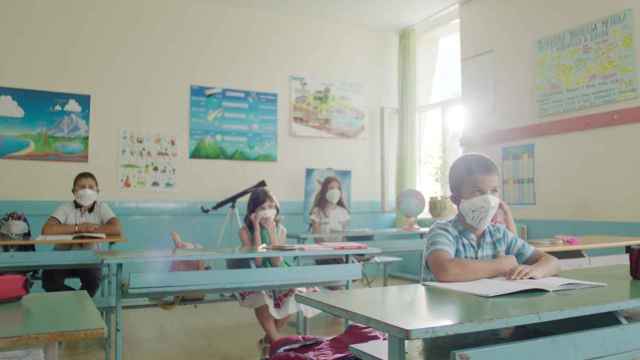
(329, 213)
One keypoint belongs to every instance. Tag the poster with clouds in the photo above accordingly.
(44, 125)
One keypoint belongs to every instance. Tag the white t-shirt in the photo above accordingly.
(331, 220)
(69, 214)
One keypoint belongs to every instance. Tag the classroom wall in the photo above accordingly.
(137, 60)
(588, 175)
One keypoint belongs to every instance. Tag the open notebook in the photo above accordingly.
(502, 286)
(72, 236)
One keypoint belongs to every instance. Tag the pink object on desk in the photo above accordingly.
(347, 245)
(569, 239)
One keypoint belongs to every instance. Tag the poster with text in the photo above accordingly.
(588, 66)
(327, 109)
(44, 125)
(231, 124)
(147, 161)
(518, 175)
(313, 183)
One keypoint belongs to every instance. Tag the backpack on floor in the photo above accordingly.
(317, 348)
(13, 287)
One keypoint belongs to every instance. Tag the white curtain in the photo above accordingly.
(407, 154)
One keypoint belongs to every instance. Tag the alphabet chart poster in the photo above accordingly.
(518, 175)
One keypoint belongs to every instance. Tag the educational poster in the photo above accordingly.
(327, 109)
(147, 161)
(231, 124)
(588, 66)
(44, 125)
(313, 183)
(518, 175)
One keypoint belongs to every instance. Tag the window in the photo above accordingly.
(439, 113)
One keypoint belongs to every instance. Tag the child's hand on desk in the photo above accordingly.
(506, 263)
(524, 272)
(87, 228)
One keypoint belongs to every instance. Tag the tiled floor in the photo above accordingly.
(222, 331)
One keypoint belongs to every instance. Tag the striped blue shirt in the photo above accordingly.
(457, 240)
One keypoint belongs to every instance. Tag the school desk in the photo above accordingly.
(49, 318)
(590, 242)
(36, 260)
(412, 312)
(302, 238)
(159, 286)
(389, 246)
(110, 239)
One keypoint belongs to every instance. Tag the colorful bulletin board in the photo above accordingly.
(313, 182)
(587, 66)
(44, 125)
(232, 124)
(147, 161)
(518, 175)
(327, 109)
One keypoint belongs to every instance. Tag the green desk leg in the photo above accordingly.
(397, 349)
(111, 289)
(348, 259)
(301, 324)
(385, 274)
(422, 260)
(106, 293)
(119, 341)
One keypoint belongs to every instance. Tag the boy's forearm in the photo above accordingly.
(469, 270)
(57, 229)
(547, 265)
(109, 229)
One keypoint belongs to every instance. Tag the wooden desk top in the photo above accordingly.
(109, 239)
(42, 318)
(591, 242)
(416, 311)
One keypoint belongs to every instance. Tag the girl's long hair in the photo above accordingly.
(321, 201)
(258, 198)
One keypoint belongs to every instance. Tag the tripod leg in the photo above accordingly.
(222, 229)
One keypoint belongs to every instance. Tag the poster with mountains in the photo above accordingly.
(229, 124)
(44, 125)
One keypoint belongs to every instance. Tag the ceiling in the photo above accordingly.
(383, 15)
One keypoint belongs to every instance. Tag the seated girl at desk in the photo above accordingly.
(329, 212)
(85, 214)
(262, 227)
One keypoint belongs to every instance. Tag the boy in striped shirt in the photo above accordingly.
(469, 247)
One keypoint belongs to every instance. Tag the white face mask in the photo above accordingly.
(15, 227)
(479, 211)
(333, 196)
(268, 214)
(86, 197)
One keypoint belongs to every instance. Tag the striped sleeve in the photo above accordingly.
(440, 239)
(517, 247)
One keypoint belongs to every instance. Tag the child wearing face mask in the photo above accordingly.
(85, 214)
(262, 227)
(470, 247)
(329, 213)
